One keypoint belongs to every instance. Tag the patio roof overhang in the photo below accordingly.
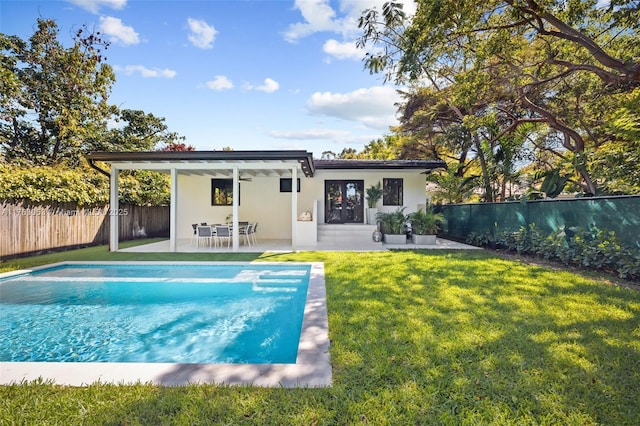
(216, 163)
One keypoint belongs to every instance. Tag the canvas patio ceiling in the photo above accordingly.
(230, 164)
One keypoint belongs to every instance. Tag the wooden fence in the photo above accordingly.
(27, 229)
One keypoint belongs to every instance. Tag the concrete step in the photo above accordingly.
(345, 233)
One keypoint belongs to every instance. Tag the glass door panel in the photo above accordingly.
(333, 201)
(344, 201)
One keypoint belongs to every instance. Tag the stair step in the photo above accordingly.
(345, 233)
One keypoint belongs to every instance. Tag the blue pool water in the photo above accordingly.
(154, 313)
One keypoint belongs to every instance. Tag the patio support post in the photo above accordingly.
(114, 219)
(173, 212)
(294, 207)
(236, 200)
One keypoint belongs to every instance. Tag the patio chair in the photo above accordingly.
(204, 232)
(222, 232)
(253, 233)
(194, 238)
(246, 231)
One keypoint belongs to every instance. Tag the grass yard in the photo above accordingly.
(417, 337)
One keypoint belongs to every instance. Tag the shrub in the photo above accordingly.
(48, 184)
(393, 222)
(480, 239)
(590, 248)
(425, 222)
(81, 186)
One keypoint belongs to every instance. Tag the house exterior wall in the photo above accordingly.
(413, 187)
(261, 200)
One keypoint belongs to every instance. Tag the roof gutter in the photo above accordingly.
(98, 169)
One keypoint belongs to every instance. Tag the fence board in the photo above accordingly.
(31, 228)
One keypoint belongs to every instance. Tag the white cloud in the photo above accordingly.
(374, 107)
(269, 86)
(319, 16)
(346, 50)
(202, 34)
(94, 6)
(147, 72)
(118, 32)
(220, 82)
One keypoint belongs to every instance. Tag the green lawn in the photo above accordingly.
(416, 338)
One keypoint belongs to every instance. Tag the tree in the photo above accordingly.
(451, 188)
(439, 30)
(466, 132)
(623, 150)
(557, 63)
(178, 146)
(54, 109)
(348, 154)
(139, 131)
(55, 98)
(388, 148)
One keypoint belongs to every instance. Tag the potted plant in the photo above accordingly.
(374, 193)
(424, 226)
(393, 226)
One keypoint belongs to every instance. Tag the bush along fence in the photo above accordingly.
(28, 229)
(601, 233)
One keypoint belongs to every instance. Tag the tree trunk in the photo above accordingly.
(488, 196)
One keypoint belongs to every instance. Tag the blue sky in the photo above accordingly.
(278, 74)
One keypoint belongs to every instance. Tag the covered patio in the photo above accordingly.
(233, 165)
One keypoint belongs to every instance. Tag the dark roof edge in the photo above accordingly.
(197, 155)
(303, 157)
(308, 164)
(379, 164)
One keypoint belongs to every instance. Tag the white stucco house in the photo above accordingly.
(257, 186)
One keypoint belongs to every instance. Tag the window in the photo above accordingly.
(285, 184)
(392, 192)
(222, 192)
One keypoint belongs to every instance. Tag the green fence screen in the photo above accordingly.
(620, 214)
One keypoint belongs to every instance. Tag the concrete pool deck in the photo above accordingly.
(312, 367)
(284, 246)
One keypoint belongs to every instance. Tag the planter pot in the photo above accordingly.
(423, 240)
(371, 215)
(395, 239)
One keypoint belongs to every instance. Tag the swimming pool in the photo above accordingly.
(170, 314)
